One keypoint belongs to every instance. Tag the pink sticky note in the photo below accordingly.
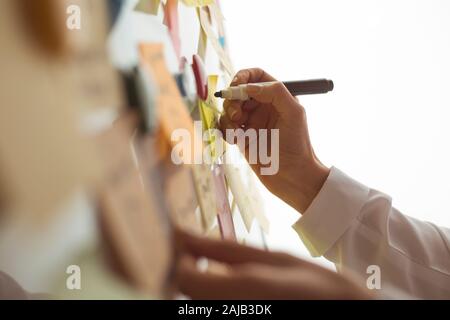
(223, 207)
(171, 21)
(201, 79)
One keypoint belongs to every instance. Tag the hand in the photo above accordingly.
(256, 274)
(301, 175)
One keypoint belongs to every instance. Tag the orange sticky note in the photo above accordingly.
(172, 112)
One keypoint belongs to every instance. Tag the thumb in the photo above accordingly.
(274, 92)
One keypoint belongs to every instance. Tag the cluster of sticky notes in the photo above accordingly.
(239, 180)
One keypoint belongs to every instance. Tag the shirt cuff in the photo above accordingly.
(331, 213)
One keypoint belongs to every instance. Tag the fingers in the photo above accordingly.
(207, 285)
(225, 124)
(234, 108)
(251, 75)
(241, 282)
(233, 253)
(274, 93)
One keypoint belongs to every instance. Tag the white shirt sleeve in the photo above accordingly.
(356, 227)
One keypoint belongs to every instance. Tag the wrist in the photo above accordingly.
(311, 178)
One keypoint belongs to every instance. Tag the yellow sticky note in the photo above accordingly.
(208, 111)
(205, 189)
(148, 6)
(209, 106)
(201, 47)
(197, 3)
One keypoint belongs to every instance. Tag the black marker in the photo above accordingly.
(296, 88)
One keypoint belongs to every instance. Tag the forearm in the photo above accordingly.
(356, 227)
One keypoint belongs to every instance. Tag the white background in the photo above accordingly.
(387, 121)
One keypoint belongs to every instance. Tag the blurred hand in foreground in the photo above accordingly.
(255, 274)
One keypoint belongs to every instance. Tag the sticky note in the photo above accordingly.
(197, 3)
(150, 161)
(219, 19)
(201, 77)
(243, 187)
(225, 218)
(206, 194)
(132, 226)
(202, 44)
(148, 6)
(172, 112)
(171, 21)
(168, 185)
(179, 191)
(208, 112)
(240, 194)
(214, 40)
